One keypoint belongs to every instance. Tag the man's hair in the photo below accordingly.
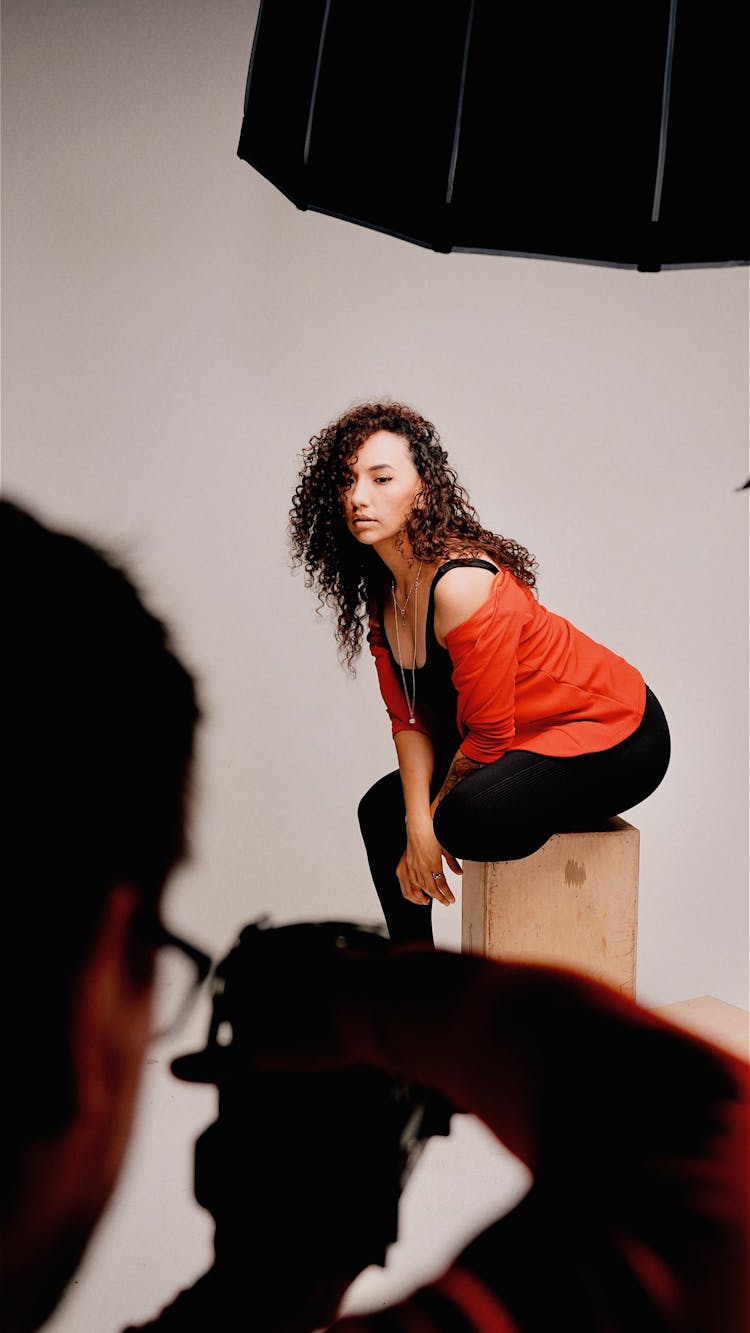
(98, 723)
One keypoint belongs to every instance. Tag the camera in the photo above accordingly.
(301, 1171)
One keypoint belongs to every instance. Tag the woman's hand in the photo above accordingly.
(420, 870)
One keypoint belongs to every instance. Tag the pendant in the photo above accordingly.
(412, 721)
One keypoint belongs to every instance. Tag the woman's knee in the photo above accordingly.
(450, 819)
(474, 827)
(380, 803)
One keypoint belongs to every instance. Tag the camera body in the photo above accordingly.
(301, 1168)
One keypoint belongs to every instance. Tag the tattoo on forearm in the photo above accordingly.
(459, 769)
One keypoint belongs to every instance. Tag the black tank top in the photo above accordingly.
(436, 699)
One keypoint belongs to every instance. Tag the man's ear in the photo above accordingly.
(111, 1009)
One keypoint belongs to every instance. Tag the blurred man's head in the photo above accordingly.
(98, 723)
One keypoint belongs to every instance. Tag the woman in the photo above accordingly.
(509, 723)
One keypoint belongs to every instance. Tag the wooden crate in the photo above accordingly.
(725, 1025)
(573, 903)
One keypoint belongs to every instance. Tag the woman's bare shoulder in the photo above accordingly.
(459, 593)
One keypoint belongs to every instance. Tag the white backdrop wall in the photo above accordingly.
(174, 331)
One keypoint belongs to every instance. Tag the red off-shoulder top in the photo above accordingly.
(525, 679)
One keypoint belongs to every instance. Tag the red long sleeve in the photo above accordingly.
(391, 688)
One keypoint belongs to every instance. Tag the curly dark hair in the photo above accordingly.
(345, 575)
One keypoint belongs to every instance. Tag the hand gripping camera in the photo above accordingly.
(302, 1172)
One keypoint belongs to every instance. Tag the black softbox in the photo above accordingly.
(604, 133)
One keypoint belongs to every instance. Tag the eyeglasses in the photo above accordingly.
(180, 970)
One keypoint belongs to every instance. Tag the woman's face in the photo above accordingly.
(382, 487)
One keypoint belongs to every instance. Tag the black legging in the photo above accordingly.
(509, 809)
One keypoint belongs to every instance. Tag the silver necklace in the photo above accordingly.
(410, 702)
(396, 603)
